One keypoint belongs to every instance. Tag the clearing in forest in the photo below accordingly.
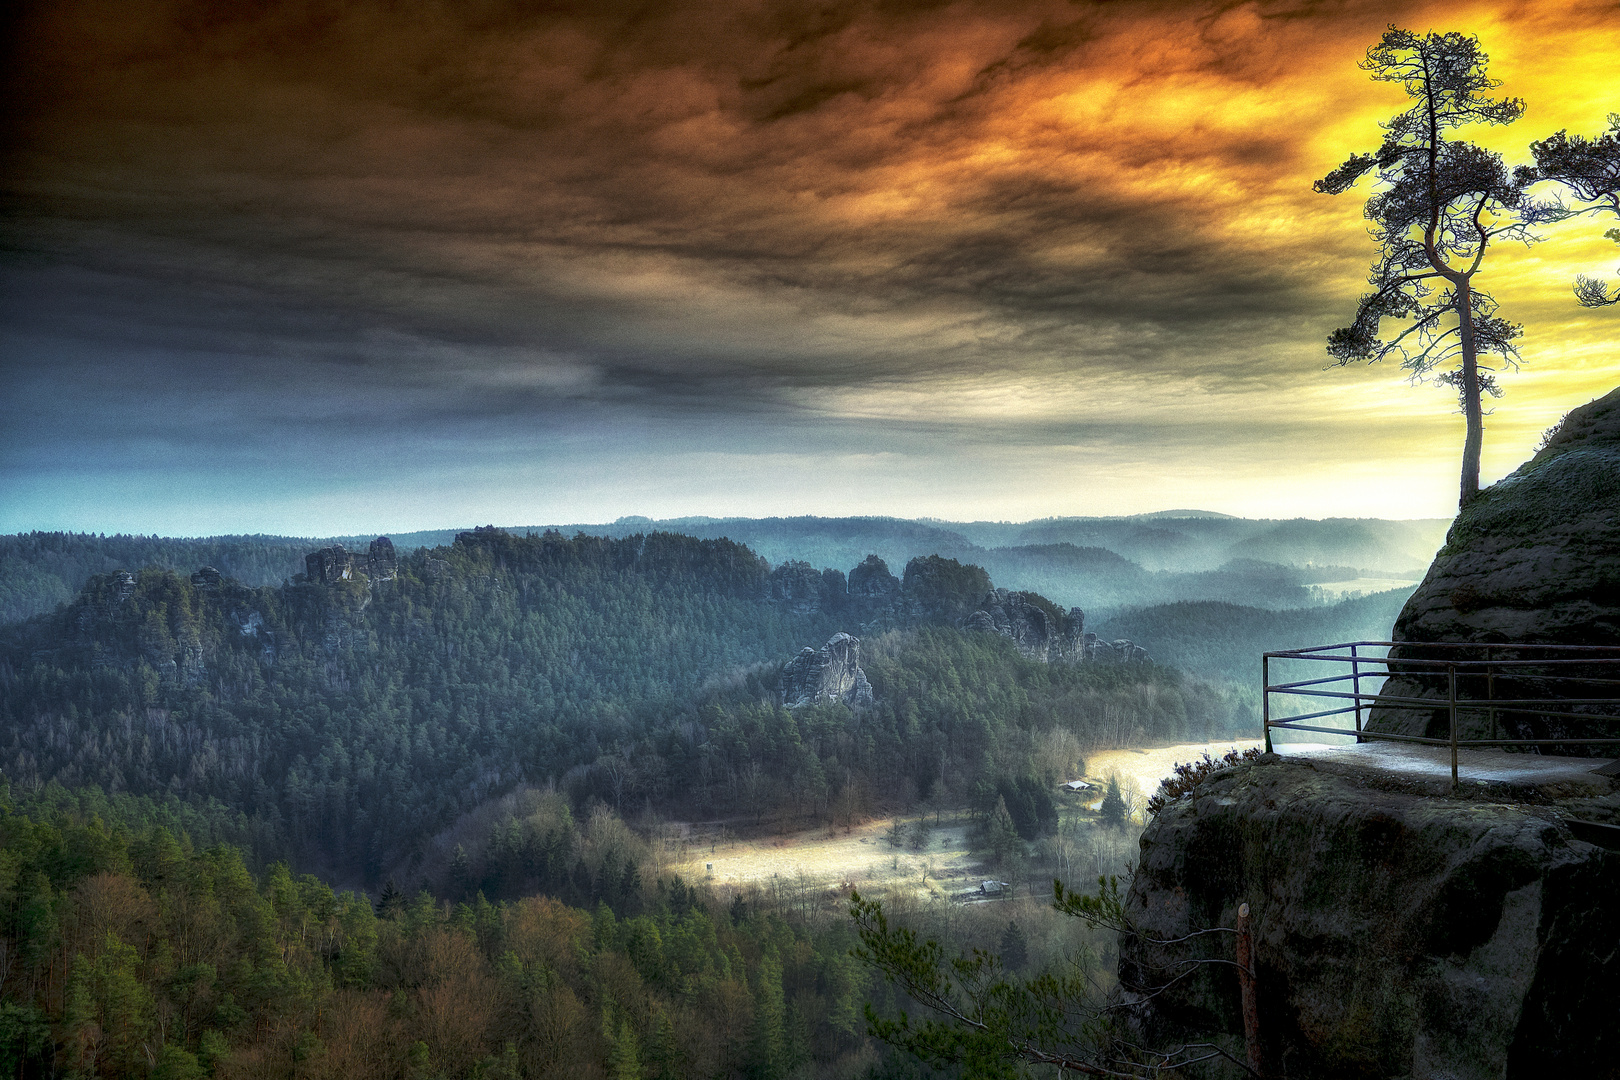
(864, 858)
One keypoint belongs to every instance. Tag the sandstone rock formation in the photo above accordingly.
(797, 586)
(330, 564)
(207, 579)
(1118, 651)
(1534, 558)
(381, 563)
(831, 674)
(1039, 629)
(1043, 631)
(871, 581)
(123, 585)
(1398, 931)
(337, 563)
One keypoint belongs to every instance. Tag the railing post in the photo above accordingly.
(1451, 677)
(1265, 698)
(1246, 992)
(1490, 690)
(1355, 672)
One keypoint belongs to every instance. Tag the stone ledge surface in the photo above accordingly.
(1399, 932)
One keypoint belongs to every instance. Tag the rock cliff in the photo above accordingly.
(381, 562)
(798, 587)
(1399, 930)
(1040, 629)
(831, 674)
(337, 563)
(1534, 558)
(871, 581)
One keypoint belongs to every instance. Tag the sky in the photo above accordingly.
(347, 266)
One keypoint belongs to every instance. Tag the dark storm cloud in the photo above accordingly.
(231, 225)
(451, 174)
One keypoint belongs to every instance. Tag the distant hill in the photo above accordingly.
(1225, 640)
(1098, 564)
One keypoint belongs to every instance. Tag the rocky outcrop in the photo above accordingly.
(1118, 651)
(381, 562)
(1043, 631)
(1040, 630)
(831, 674)
(336, 563)
(1398, 930)
(797, 586)
(872, 582)
(208, 580)
(1532, 559)
(329, 565)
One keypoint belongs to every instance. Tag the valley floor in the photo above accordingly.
(819, 865)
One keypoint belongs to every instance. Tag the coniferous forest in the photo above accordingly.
(194, 765)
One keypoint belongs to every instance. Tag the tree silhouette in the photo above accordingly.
(1439, 204)
(1590, 170)
(1112, 807)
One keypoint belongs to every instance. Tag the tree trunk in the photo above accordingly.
(1469, 389)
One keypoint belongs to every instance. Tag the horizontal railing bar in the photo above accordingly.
(1392, 737)
(1538, 742)
(1448, 645)
(1538, 706)
(1314, 715)
(1470, 665)
(1370, 699)
(1353, 733)
(1329, 679)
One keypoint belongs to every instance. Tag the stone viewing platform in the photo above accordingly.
(1481, 774)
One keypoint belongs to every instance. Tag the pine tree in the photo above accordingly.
(1113, 804)
(1014, 947)
(1001, 835)
(770, 1037)
(390, 902)
(1440, 205)
(1589, 169)
(624, 1062)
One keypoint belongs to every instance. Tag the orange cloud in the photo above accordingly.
(855, 213)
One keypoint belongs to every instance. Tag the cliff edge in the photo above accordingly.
(1533, 559)
(1399, 930)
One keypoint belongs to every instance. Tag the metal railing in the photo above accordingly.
(1530, 686)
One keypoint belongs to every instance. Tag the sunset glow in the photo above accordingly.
(317, 269)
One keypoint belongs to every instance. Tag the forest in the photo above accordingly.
(347, 720)
(191, 762)
(1104, 565)
(131, 950)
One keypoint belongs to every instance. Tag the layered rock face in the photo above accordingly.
(1118, 651)
(208, 579)
(1397, 931)
(872, 581)
(831, 674)
(381, 563)
(1534, 558)
(797, 586)
(1039, 629)
(337, 563)
(330, 564)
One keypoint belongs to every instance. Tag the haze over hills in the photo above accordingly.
(1199, 590)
